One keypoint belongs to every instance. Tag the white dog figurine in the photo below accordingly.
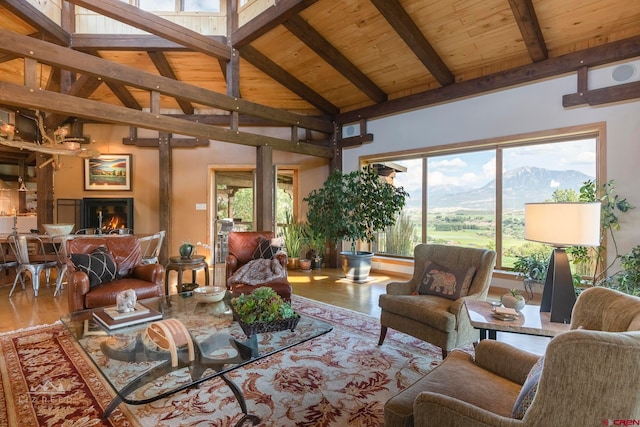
(126, 301)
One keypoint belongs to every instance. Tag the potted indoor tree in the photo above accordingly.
(354, 206)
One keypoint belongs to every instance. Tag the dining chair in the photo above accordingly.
(121, 231)
(58, 243)
(7, 261)
(151, 246)
(32, 257)
(88, 231)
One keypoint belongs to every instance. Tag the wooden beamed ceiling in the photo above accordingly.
(306, 63)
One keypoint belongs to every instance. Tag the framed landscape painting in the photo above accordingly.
(110, 172)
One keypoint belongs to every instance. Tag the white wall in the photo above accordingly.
(530, 108)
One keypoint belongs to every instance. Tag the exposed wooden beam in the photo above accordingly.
(314, 40)
(599, 55)
(119, 90)
(38, 20)
(24, 97)
(87, 64)
(605, 95)
(130, 42)
(527, 21)
(123, 94)
(286, 79)
(173, 142)
(165, 70)
(355, 140)
(268, 20)
(402, 23)
(83, 87)
(154, 24)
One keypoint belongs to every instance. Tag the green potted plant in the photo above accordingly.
(612, 206)
(627, 280)
(315, 242)
(354, 206)
(532, 269)
(263, 310)
(293, 234)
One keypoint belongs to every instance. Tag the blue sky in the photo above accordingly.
(476, 169)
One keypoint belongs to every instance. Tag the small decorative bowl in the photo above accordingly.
(56, 229)
(210, 293)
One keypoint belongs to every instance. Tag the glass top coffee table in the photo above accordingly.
(141, 372)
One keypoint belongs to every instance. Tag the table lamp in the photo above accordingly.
(561, 225)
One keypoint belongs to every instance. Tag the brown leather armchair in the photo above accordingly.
(145, 279)
(242, 246)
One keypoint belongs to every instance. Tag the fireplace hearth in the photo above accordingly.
(107, 214)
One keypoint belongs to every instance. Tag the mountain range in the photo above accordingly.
(520, 185)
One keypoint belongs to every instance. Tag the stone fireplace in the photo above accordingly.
(107, 213)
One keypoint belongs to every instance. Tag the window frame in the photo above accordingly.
(593, 130)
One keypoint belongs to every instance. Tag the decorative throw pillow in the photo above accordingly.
(528, 391)
(265, 249)
(99, 266)
(445, 282)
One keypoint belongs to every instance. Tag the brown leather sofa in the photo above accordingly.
(145, 279)
(242, 245)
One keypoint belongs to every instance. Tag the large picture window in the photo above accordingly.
(473, 194)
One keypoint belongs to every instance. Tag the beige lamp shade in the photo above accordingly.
(563, 224)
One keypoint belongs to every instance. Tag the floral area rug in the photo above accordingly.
(342, 378)
(47, 381)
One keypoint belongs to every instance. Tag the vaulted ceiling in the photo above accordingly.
(308, 64)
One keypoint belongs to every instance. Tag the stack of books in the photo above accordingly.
(111, 318)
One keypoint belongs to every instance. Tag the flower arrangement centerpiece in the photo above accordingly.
(263, 310)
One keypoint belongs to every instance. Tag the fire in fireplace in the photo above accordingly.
(107, 214)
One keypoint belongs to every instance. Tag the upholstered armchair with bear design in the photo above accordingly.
(99, 267)
(588, 376)
(246, 246)
(430, 306)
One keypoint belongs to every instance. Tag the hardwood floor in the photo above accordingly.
(22, 310)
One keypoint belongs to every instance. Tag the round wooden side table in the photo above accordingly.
(179, 265)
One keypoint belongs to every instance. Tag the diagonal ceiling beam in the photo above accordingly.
(527, 21)
(87, 64)
(273, 70)
(599, 55)
(332, 56)
(38, 20)
(154, 24)
(278, 14)
(402, 23)
(24, 97)
(164, 68)
(120, 91)
(83, 87)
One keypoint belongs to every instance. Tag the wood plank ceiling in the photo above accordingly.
(308, 64)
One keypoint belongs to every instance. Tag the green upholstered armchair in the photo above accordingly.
(438, 320)
(589, 375)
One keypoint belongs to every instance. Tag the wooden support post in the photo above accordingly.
(264, 189)
(165, 188)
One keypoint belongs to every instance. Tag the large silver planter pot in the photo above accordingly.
(356, 266)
